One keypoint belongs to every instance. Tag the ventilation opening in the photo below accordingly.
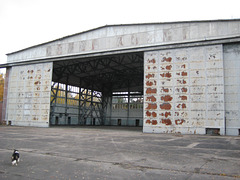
(9, 123)
(213, 131)
(119, 122)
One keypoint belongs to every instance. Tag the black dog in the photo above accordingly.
(15, 157)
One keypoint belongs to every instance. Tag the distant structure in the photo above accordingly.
(176, 77)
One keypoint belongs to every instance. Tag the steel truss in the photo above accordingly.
(95, 80)
(80, 107)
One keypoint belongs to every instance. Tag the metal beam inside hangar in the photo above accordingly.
(116, 73)
(97, 80)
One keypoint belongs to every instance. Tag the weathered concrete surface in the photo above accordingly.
(187, 85)
(29, 92)
(116, 153)
(121, 37)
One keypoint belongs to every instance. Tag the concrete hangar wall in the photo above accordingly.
(190, 74)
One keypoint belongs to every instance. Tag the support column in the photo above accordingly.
(79, 102)
(91, 106)
(66, 105)
(128, 107)
(3, 120)
(53, 102)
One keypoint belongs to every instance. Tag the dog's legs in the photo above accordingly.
(14, 162)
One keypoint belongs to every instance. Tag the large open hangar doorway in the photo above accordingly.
(100, 90)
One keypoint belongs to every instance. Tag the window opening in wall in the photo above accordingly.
(120, 100)
(83, 104)
(213, 131)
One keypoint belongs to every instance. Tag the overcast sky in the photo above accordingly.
(24, 23)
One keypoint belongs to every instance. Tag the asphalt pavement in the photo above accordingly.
(116, 153)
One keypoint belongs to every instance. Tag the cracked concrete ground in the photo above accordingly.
(116, 153)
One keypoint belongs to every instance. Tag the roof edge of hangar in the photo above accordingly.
(117, 25)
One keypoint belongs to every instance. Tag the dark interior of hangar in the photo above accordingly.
(104, 90)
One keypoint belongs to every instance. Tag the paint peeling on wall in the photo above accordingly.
(177, 93)
(29, 95)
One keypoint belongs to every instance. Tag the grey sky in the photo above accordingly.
(25, 23)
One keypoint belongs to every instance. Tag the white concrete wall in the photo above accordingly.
(29, 92)
(129, 36)
(122, 114)
(232, 87)
(184, 90)
(134, 114)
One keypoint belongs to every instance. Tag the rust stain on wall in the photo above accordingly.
(150, 76)
(150, 83)
(167, 59)
(182, 81)
(151, 91)
(166, 67)
(151, 98)
(38, 76)
(165, 89)
(153, 122)
(148, 121)
(167, 121)
(181, 89)
(152, 61)
(182, 73)
(153, 114)
(169, 67)
(168, 75)
(148, 113)
(166, 98)
(166, 114)
(152, 106)
(183, 106)
(35, 118)
(30, 71)
(183, 66)
(183, 98)
(184, 89)
(166, 106)
(37, 82)
(149, 67)
(179, 121)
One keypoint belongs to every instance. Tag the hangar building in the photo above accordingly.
(176, 77)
